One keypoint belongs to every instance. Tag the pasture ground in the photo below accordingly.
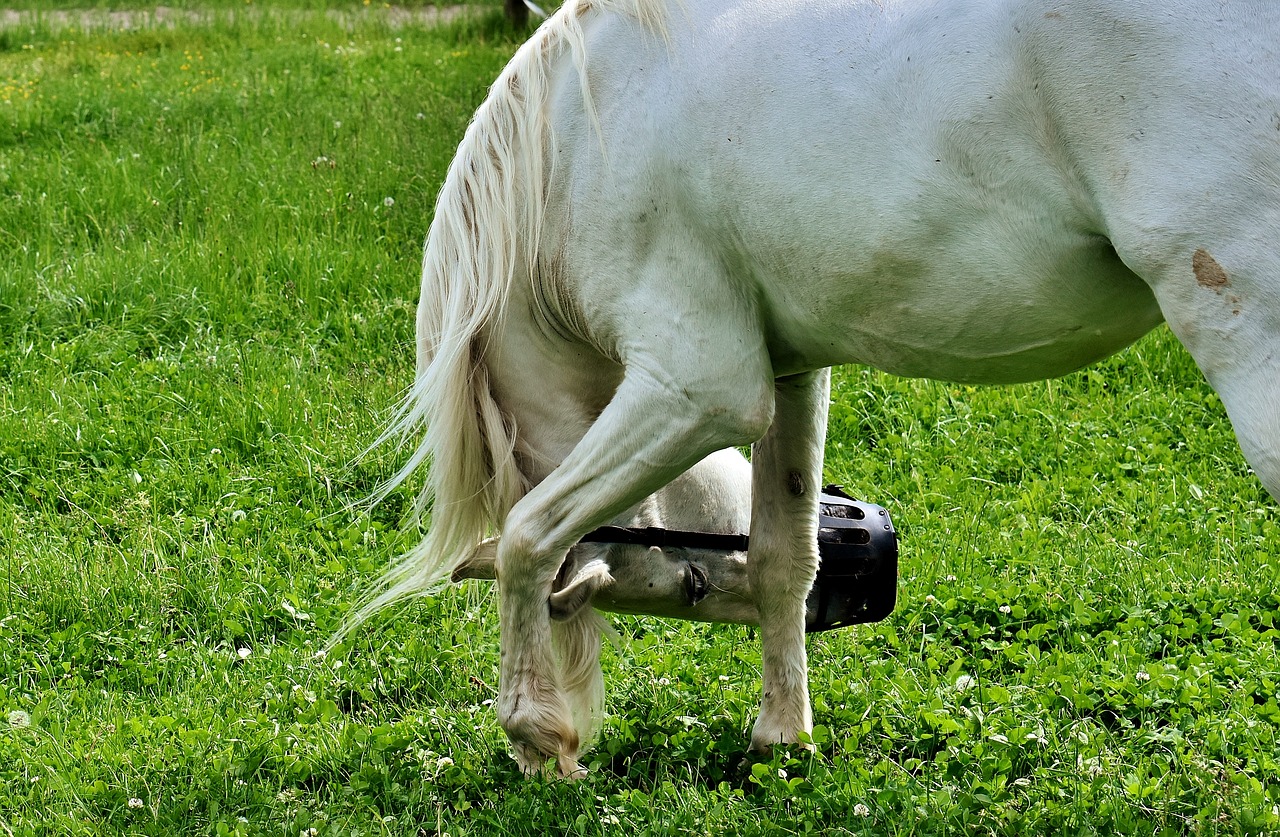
(209, 237)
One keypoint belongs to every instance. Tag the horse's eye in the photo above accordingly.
(696, 584)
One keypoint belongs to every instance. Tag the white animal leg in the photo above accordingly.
(783, 559)
(650, 433)
(1220, 293)
(1223, 303)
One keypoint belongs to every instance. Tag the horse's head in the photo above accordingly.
(697, 584)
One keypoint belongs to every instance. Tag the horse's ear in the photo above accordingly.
(481, 563)
(578, 592)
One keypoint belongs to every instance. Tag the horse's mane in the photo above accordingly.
(485, 236)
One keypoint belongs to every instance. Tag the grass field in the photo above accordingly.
(209, 237)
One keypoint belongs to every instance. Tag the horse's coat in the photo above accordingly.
(663, 225)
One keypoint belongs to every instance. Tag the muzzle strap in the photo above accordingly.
(674, 538)
(857, 577)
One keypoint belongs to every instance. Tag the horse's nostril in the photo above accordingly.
(696, 584)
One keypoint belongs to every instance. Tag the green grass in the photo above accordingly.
(222, 5)
(205, 311)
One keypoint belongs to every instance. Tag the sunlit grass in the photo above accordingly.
(209, 245)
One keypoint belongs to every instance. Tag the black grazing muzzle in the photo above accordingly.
(857, 579)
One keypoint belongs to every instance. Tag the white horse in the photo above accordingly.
(667, 220)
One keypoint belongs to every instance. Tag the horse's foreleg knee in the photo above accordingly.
(783, 559)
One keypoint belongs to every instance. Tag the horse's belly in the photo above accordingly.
(890, 181)
(985, 312)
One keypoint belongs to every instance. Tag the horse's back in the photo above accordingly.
(935, 188)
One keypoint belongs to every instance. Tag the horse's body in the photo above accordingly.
(664, 226)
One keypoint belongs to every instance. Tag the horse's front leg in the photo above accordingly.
(783, 559)
(647, 435)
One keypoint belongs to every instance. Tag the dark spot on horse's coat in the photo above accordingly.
(1053, 16)
(795, 483)
(1208, 272)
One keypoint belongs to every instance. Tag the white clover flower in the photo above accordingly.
(964, 683)
(388, 201)
(444, 761)
(1142, 676)
(1022, 782)
(135, 802)
(19, 719)
(337, 124)
(420, 115)
(861, 810)
(1006, 609)
(244, 653)
(931, 599)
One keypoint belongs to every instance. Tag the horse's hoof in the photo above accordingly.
(767, 742)
(533, 762)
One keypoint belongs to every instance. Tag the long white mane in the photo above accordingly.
(484, 237)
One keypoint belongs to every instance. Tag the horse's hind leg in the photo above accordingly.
(1229, 320)
(681, 397)
(786, 480)
(1219, 290)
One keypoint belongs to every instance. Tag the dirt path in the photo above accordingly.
(169, 18)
